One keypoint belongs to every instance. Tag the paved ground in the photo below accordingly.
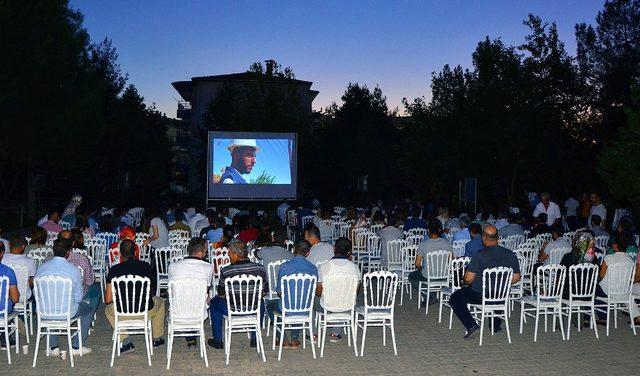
(424, 347)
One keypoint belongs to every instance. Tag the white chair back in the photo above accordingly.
(418, 231)
(496, 285)
(395, 255)
(458, 247)
(181, 243)
(142, 236)
(373, 246)
(272, 274)
(297, 293)
(602, 241)
(556, 254)
(137, 214)
(244, 294)
(582, 281)
(550, 282)
(408, 259)
(162, 257)
(109, 237)
(187, 300)
(306, 220)
(414, 239)
(130, 294)
(620, 280)
(22, 276)
(437, 264)
(179, 234)
(376, 228)
(543, 237)
(458, 268)
(65, 225)
(80, 251)
(339, 292)
(47, 291)
(380, 289)
(4, 289)
(96, 247)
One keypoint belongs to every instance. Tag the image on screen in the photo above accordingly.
(245, 165)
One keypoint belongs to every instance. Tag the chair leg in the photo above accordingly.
(70, 347)
(115, 342)
(593, 321)
(324, 335)
(450, 317)
(608, 318)
(273, 342)
(481, 326)
(521, 315)
(313, 345)
(558, 311)
(440, 310)
(426, 310)
(147, 343)
(169, 347)
(259, 343)
(569, 322)
(35, 352)
(364, 336)
(535, 331)
(6, 341)
(281, 337)
(506, 323)
(393, 337)
(203, 348)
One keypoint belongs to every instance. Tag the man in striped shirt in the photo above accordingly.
(238, 253)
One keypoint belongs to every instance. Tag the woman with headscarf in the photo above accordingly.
(126, 233)
(584, 251)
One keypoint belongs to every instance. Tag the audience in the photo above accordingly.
(52, 223)
(433, 242)
(13, 294)
(17, 256)
(61, 267)
(156, 307)
(38, 239)
(557, 242)
(513, 228)
(596, 226)
(275, 251)
(475, 245)
(463, 233)
(540, 227)
(390, 231)
(548, 207)
(597, 208)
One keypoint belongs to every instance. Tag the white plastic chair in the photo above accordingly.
(620, 284)
(142, 236)
(137, 214)
(458, 247)
(556, 254)
(438, 269)
(547, 301)
(414, 239)
(458, 267)
(130, 296)
(244, 297)
(496, 285)
(8, 322)
(65, 225)
(582, 287)
(178, 234)
(187, 312)
(108, 237)
(297, 295)
(601, 241)
(179, 243)
(418, 231)
(272, 277)
(162, 257)
(40, 254)
(23, 307)
(54, 315)
(338, 301)
(395, 255)
(379, 301)
(371, 261)
(408, 266)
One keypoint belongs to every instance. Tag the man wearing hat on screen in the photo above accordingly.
(243, 158)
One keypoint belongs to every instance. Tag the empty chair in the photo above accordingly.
(418, 231)
(437, 266)
(298, 293)
(243, 298)
(582, 291)
(372, 258)
(408, 266)
(379, 301)
(394, 257)
(53, 313)
(8, 321)
(187, 312)
(458, 267)
(109, 238)
(414, 239)
(162, 258)
(130, 296)
(547, 300)
(179, 234)
(496, 285)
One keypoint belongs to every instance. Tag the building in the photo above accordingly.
(199, 92)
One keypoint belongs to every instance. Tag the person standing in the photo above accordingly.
(548, 207)
(571, 216)
(597, 208)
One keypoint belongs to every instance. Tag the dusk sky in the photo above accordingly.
(394, 45)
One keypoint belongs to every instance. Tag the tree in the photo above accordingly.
(619, 162)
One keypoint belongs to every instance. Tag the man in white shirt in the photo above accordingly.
(198, 216)
(195, 267)
(558, 242)
(550, 208)
(597, 208)
(571, 206)
(282, 211)
(16, 256)
(320, 251)
(340, 263)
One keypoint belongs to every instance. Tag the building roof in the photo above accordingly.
(185, 88)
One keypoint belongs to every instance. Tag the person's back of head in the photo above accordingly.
(228, 232)
(485, 214)
(512, 218)
(61, 247)
(197, 245)
(279, 237)
(475, 228)
(542, 218)
(625, 240)
(596, 220)
(212, 216)
(38, 236)
(220, 222)
(301, 248)
(66, 234)
(464, 221)
(342, 247)
(127, 249)
(435, 228)
(17, 244)
(238, 248)
(489, 236)
(557, 231)
(312, 232)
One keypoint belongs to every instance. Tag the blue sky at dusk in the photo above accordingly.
(394, 45)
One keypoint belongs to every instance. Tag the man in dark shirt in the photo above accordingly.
(131, 266)
(492, 256)
(541, 227)
(238, 253)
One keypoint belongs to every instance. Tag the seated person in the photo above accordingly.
(558, 241)
(17, 256)
(60, 266)
(475, 244)
(513, 228)
(130, 266)
(596, 226)
(238, 253)
(193, 266)
(276, 251)
(434, 242)
(540, 227)
(14, 294)
(320, 251)
(298, 264)
(126, 233)
(340, 263)
(491, 256)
